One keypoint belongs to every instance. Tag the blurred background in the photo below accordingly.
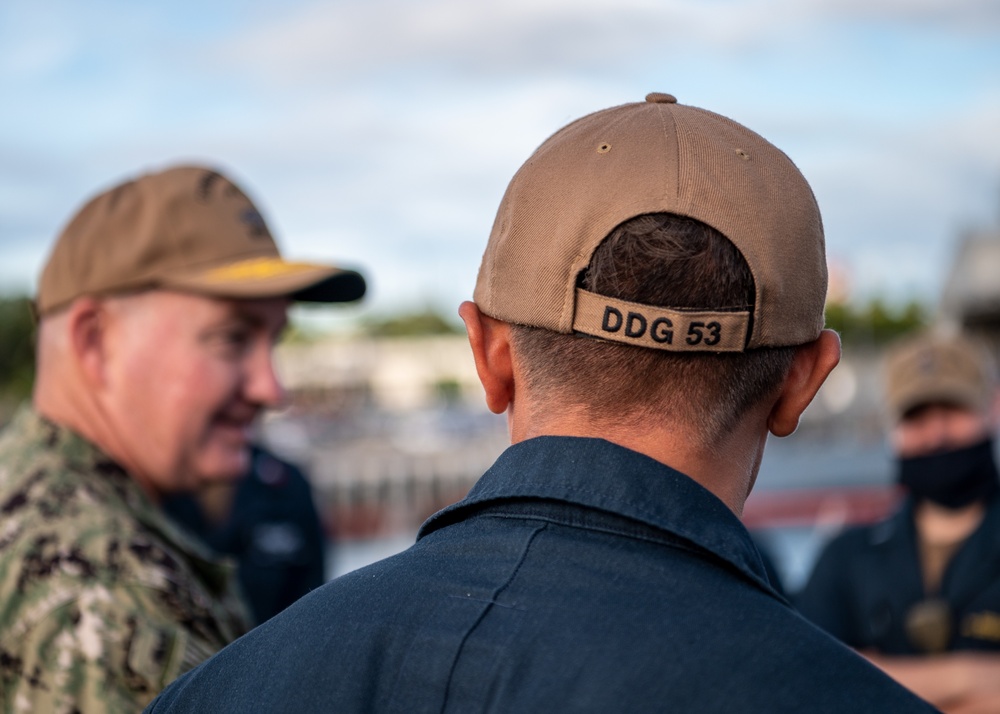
(381, 134)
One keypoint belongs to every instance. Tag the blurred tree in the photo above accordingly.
(425, 322)
(875, 322)
(296, 334)
(449, 390)
(17, 353)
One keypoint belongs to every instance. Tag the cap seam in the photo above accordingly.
(677, 148)
(569, 310)
(490, 258)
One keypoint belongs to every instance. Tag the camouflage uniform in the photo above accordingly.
(102, 600)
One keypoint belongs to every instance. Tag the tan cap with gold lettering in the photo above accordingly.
(656, 156)
(186, 228)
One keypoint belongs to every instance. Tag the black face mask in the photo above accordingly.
(952, 479)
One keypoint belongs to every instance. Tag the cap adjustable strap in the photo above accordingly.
(676, 330)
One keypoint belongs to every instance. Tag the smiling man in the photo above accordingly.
(159, 307)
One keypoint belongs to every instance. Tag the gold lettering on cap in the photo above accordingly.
(255, 269)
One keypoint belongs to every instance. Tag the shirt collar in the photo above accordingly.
(599, 474)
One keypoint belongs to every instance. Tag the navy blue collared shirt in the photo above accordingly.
(576, 576)
(273, 531)
(868, 581)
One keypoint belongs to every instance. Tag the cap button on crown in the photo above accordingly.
(661, 98)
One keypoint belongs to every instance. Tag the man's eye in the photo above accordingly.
(233, 341)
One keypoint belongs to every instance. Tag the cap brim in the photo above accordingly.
(946, 392)
(342, 286)
(273, 277)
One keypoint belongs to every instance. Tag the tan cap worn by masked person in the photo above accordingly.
(933, 368)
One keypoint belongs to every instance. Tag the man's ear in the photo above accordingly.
(490, 342)
(87, 328)
(811, 365)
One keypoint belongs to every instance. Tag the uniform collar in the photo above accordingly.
(107, 478)
(598, 474)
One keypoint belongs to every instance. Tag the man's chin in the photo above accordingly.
(229, 465)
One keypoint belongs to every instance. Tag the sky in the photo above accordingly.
(381, 134)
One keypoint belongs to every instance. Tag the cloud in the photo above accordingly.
(338, 42)
(383, 132)
(897, 198)
(965, 17)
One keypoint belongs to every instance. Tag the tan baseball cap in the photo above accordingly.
(652, 157)
(932, 369)
(187, 228)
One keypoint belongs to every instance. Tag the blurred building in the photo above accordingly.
(971, 296)
(392, 374)
(389, 429)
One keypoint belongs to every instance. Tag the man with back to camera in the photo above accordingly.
(919, 593)
(649, 307)
(158, 310)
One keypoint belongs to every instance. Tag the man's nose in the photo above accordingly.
(263, 385)
(936, 434)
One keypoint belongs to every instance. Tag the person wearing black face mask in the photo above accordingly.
(919, 593)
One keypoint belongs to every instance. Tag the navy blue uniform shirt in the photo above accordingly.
(576, 576)
(868, 578)
(273, 531)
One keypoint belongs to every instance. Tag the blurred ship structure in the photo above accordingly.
(390, 429)
(970, 298)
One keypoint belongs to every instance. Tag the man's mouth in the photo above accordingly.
(237, 428)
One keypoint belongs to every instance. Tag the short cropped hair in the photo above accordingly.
(670, 261)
